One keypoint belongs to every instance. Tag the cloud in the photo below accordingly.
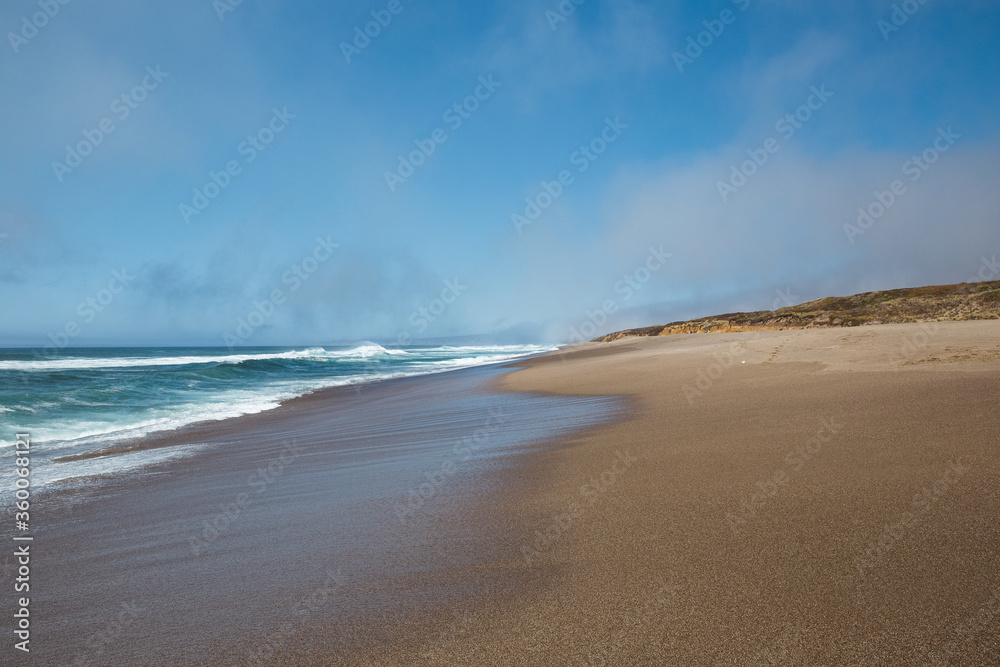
(543, 57)
(767, 88)
(786, 226)
(783, 229)
(354, 294)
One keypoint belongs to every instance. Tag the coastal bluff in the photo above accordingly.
(937, 303)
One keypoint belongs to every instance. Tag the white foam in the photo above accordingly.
(67, 437)
(50, 473)
(223, 405)
(82, 363)
(362, 351)
(505, 349)
(366, 350)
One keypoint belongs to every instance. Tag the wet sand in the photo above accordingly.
(832, 500)
(324, 510)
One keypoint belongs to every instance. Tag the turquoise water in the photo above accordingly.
(86, 399)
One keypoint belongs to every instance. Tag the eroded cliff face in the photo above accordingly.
(965, 301)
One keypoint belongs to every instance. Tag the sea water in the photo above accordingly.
(84, 400)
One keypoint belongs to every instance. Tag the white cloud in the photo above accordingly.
(627, 37)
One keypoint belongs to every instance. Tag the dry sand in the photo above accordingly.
(831, 501)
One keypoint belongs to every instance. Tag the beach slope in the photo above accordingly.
(821, 497)
(797, 497)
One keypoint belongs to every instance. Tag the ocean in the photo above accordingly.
(85, 400)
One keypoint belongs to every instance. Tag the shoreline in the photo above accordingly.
(325, 506)
(211, 429)
(828, 501)
(97, 415)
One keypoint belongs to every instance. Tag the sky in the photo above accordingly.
(257, 172)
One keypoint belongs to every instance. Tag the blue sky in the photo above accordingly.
(438, 254)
